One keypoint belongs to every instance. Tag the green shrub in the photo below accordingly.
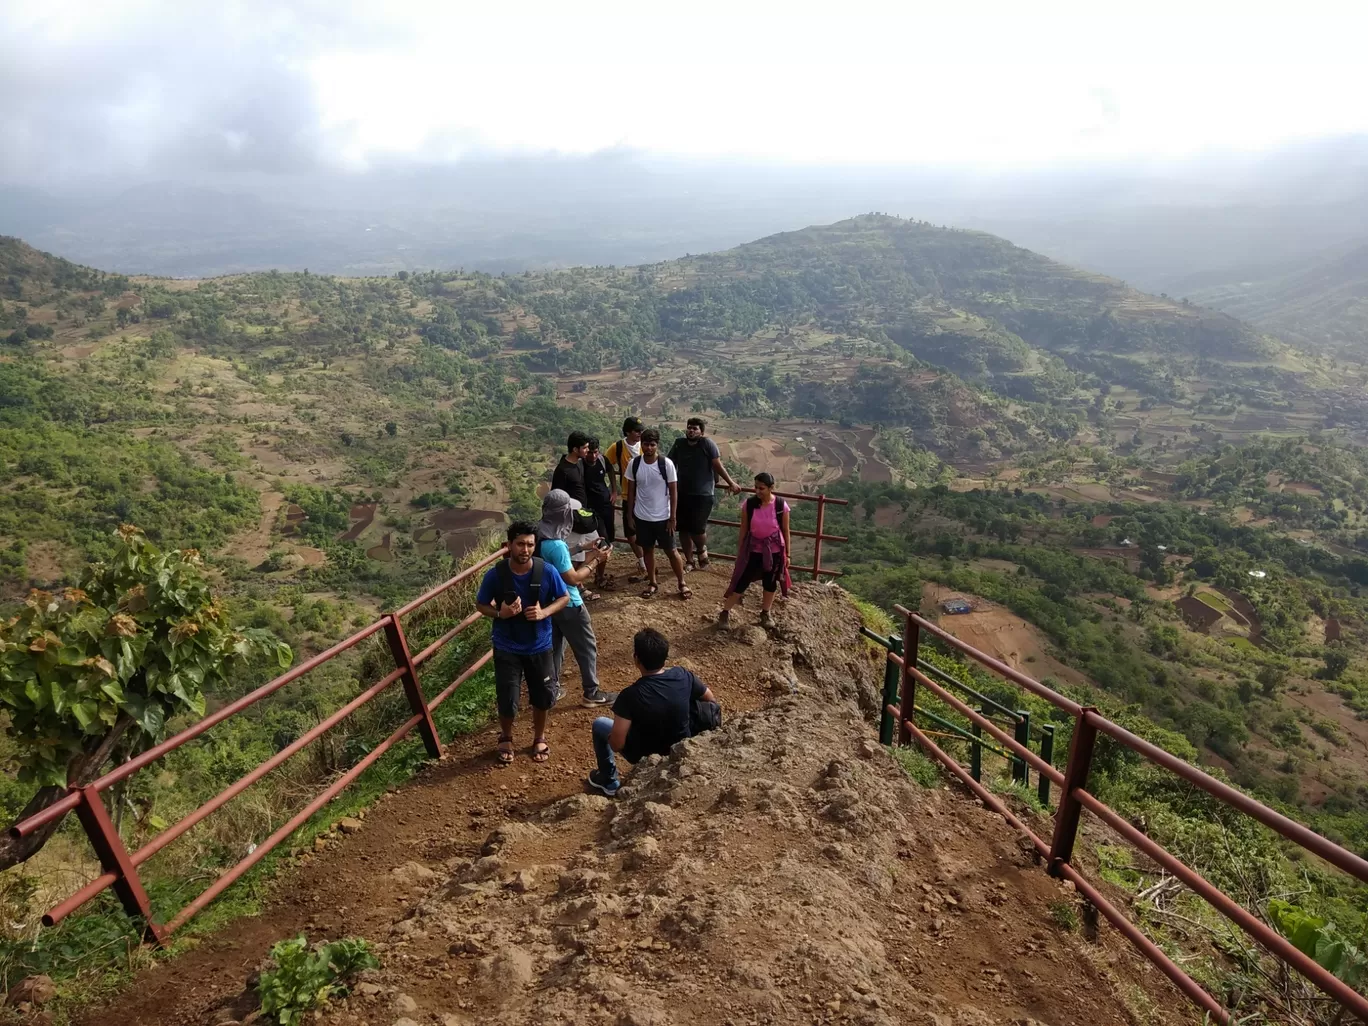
(304, 979)
(921, 768)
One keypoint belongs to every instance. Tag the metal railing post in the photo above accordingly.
(817, 543)
(113, 856)
(909, 682)
(976, 749)
(890, 689)
(1047, 733)
(403, 660)
(1021, 773)
(1075, 777)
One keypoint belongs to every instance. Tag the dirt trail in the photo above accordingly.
(781, 869)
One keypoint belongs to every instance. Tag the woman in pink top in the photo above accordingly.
(762, 552)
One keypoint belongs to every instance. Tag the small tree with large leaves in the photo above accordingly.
(93, 674)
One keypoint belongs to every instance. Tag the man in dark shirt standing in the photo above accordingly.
(569, 473)
(699, 464)
(650, 716)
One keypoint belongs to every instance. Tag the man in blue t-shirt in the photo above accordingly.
(521, 635)
(650, 716)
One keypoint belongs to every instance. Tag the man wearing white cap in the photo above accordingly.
(572, 623)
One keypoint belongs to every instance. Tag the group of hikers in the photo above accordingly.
(538, 595)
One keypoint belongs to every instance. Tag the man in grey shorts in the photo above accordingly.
(520, 594)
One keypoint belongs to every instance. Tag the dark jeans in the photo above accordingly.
(603, 726)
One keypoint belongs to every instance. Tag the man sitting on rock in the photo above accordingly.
(650, 716)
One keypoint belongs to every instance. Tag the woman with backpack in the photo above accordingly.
(762, 551)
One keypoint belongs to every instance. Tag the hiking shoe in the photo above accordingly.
(603, 786)
(558, 695)
(598, 697)
(766, 618)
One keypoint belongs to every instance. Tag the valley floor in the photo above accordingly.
(782, 869)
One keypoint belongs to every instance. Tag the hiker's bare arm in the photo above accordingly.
(745, 529)
(618, 736)
(720, 472)
(784, 525)
(708, 696)
(580, 575)
(674, 502)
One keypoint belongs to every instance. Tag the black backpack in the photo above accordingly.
(506, 581)
(636, 468)
(704, 716)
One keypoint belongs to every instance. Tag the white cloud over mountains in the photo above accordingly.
(157, 88)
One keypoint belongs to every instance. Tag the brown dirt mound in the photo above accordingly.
(781, 869)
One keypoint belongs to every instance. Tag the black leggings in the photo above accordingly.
(755, 571)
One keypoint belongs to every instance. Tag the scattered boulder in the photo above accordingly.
(349, 825)
(413, 874)
(35, 990)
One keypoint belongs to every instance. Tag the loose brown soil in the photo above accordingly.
(782, 869)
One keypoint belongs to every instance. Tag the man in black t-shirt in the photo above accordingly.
(569, 473)
(699, 463)
(650, 716)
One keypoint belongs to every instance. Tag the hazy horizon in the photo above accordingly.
(155, 137)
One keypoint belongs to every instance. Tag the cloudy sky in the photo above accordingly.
(121, 87)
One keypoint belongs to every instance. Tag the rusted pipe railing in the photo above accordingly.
(120, 867)
(1075, 798)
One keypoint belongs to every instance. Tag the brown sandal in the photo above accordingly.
(541, 751)
(505, 755)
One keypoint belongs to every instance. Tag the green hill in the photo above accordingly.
(1323, 304)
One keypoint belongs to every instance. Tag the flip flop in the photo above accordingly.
(541, 751)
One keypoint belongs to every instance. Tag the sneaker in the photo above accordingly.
(766, 618)
(558, 695)
(599, 784)
(599, 697)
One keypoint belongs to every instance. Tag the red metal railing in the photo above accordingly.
(120, 867)
(1075, 797)
(818, 536)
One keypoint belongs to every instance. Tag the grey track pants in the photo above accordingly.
(572, 624)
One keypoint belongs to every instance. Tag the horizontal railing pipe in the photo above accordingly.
(233, 708)
(996, 665)
(464, 676)
(1009, 742)
(1292, 830)
(926, 667)
(78, 899)
(56, 810)
(958, 731)
(987, 797)
(300, 818)
(241, 784)
(464, 575)
(1185, 983)
(1276, 943)
(793, 531)
(428, 652)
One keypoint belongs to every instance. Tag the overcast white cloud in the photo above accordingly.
(138, 87)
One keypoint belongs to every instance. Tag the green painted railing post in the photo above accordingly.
(976, 750)
(892, 678)
(1046, 755)
(1020, 773)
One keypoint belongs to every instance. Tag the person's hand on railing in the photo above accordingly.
(511, 609)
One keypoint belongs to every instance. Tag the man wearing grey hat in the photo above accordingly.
(572, 624)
